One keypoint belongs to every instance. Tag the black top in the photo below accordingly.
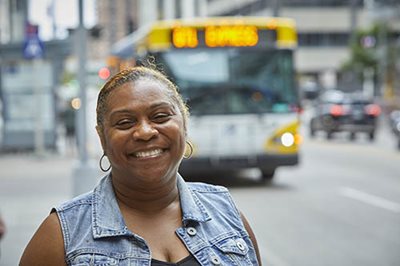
(188, 261)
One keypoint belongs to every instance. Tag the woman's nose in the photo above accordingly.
(144, 131)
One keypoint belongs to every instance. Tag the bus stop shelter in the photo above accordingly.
(28, 93)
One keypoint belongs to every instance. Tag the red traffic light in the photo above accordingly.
(104, 73)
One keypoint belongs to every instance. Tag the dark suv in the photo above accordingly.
(336, 111)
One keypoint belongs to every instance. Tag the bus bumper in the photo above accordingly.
(236, 163)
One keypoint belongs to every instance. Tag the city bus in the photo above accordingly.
(237, 76)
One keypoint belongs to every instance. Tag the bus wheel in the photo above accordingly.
(267, 174)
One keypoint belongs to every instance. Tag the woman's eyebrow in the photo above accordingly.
(153, 106)
(161, 104)
(121, 111)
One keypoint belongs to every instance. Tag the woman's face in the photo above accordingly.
(143, 133)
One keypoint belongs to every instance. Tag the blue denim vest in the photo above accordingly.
(95, 233)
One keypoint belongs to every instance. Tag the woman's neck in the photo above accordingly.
(145, 198)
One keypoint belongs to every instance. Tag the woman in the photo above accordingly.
(143, 212)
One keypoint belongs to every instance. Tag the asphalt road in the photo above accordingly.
(341, 206)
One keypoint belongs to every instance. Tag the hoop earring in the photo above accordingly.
(101, 164)
(185, 155)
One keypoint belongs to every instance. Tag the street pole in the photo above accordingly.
(33, 50)
(85, 172)
(81, 125)
(39, 125)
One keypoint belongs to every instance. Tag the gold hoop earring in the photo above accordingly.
(101, 164)
(188, 155)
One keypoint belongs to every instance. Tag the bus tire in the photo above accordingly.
(267, 174)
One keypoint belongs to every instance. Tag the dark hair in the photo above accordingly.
(135, 74)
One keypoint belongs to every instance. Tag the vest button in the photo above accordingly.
(215, 260)
(191, 231)
(240, 246)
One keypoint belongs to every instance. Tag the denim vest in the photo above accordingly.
(95, 233)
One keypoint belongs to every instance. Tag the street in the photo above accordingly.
(340, 206)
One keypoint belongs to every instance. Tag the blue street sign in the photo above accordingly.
(33, 48)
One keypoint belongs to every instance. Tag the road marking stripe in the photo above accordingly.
(370, 199)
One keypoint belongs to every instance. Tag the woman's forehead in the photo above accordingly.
(142, 88)
(145, 91)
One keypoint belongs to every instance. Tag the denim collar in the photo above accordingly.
(107, 218)
(192, 208)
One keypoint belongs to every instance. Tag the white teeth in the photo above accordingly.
(143, 154)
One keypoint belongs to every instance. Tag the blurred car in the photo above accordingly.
(310, 92)
(337, 111)
(394, 119)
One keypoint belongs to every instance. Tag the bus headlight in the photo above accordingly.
(287, 139)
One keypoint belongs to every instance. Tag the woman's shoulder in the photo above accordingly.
(85, 199)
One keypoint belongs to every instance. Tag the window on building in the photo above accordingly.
(324, 39)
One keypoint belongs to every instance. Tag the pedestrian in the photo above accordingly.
(68, 117)
(69, 122)
(143, 212)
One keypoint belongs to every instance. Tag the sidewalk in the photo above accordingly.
(29, 188)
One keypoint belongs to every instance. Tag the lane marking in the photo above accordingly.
(370, 199)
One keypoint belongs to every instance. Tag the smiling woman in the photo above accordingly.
(143, 212)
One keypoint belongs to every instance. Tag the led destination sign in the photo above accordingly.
(220, 36)
(230, 36)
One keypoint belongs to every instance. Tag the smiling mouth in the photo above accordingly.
(148, 154)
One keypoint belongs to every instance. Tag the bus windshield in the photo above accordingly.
(232, 81)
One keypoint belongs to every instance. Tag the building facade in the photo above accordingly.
(325, 27)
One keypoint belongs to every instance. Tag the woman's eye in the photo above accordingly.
(124, 124)
(161, 117)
